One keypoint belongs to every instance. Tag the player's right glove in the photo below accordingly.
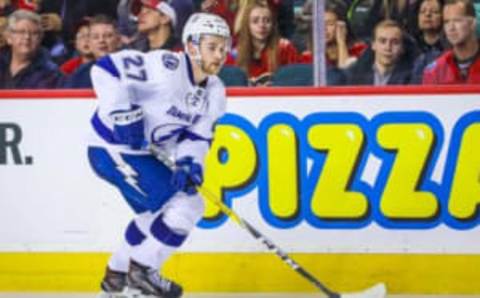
(187, 175)
(128, 127)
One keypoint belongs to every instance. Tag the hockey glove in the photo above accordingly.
(187, 175)
(128, 127)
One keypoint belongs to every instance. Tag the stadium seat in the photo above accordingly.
(302, 75)
(293, 75)
(233, 76)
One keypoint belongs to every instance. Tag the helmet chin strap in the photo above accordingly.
(197, 58)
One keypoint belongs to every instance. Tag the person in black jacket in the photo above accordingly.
(61, 17)
(23, 63)
(104, 39)
(387, 62)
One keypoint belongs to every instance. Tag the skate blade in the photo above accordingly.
(123, 294)
(377, 291)
(136, 293)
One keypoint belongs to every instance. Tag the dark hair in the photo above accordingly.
(412, 26)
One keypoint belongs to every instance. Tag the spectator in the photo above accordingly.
(429, 25)
(156, 23)
(52, 30)
(23, 64)
(260, 50)
(83, 54)
(340, 50)
(461, 64)
(127, 22)
(388, 62)
(233, 12)
(429, 37)
(61, 17)
(104, 39)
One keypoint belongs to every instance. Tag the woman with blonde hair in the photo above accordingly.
(260, 50)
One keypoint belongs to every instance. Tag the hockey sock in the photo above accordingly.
(121, 257)
(160, 244)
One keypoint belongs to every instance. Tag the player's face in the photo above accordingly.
(25, 38)
(387, 45)
(458, 27)
(213, 50)
(260, 23)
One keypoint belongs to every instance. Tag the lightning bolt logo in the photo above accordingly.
(130, 176)
(127, 171)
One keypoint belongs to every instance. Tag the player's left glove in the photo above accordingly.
(128, 127)
(187, 175)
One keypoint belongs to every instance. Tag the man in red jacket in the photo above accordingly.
(460, 64)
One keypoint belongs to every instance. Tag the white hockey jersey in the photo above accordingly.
(179, 115)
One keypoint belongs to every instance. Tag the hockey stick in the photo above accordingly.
(377, 291)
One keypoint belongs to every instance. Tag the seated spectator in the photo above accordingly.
(260, 50)
(60, 19)
(104, 39)
(24, 64)
(388, 62)
(429, 26)
(156, 24)
(82, 49)
(429, 37)
(461, 64)
(233, 11)
(341, 50)
(52, 29)
(127, 19)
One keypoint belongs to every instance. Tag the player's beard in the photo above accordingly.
(211, 68)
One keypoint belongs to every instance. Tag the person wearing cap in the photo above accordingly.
(156, 23)
(150, 133)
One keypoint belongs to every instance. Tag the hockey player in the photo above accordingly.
(170, 101)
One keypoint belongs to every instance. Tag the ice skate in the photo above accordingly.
(114, 285)
(146, 282)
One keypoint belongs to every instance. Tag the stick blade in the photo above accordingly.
(377, 291)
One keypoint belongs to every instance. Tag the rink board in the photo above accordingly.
(394, 200)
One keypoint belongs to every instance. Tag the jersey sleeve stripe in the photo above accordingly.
(102, 130)
(107, 64)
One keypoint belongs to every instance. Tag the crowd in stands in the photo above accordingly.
(54, 43)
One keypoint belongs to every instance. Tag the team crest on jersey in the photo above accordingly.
(164, 135)
(170, 61)
(196, 100)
